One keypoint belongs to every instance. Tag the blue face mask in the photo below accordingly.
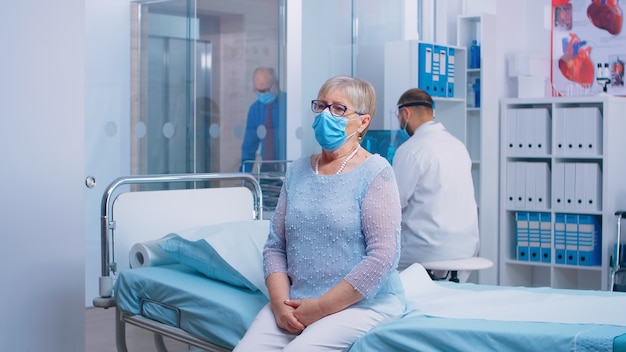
(330, 131)
(404, 135)
(266, 98)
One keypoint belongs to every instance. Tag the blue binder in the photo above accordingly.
(559, 239)
(589, 246)
(571, 239)
(425, 68)
(521, 235)
(451, 68)
(534, 237)
(546, 237)
(440, 70)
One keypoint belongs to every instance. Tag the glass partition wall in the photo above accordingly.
(193, 61)
(192, 67)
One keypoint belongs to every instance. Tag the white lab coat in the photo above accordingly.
(439, 214)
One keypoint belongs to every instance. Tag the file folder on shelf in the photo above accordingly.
(589, 246)
(534, 237)
(450, 73)
(559, 239)
(571, 239)
(546, 237)
(425, 68)
(521, 234)
(440, 68)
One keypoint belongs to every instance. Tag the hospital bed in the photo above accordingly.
(192, 303)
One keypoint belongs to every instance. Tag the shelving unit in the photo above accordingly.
(575, 148)
(402, 64)
(481, 132)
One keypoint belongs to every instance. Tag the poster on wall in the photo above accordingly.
(588, 47)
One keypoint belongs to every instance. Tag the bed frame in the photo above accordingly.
(127, 210)
(240, 199)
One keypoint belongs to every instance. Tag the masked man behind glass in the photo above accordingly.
(265, 124)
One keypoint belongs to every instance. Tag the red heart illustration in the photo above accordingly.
(575, 63)
(606, 14)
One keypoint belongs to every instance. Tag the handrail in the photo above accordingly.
(248, 180)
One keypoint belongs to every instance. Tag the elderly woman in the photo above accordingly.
(331, 254)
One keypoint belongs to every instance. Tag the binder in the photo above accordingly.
(593, 131)
(542, 182)
(534, 237)
(530, 188)
(511, 170)
(589, 247)
(511, 131)
(569, 131)
(530, 131)
(425, 70)
(571, 239)
(441, 55)
(558, 186)
(450, 73)
(520, 139)
(520, 185)
(593, 187)
(521, 234)
(545, 231)
(436, 71)
(569, 186)
(580, 186)
(559, 239)
(542, 132)
(559, 132)
(579, 131)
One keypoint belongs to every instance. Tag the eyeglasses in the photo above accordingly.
(336, 109)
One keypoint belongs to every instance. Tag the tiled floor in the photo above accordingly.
(100, 334)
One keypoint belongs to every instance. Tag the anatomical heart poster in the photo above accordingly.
(588, 47)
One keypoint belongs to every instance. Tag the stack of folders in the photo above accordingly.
(577, 239)
(528, 132)
(527, 185)
(578, 131)
(436, 66)
(577, 186)
(534, 236)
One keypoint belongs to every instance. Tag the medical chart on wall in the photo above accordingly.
(588, 47)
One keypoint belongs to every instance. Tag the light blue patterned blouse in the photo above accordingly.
(346, 226)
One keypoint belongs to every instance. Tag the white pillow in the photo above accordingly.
(231, 252)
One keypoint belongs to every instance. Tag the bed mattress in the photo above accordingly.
(469, 317)
(181, 297)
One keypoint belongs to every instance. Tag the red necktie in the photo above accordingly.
(269, 136)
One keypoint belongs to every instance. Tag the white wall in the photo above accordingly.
(41, 187)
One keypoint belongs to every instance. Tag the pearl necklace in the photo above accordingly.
(345, 162)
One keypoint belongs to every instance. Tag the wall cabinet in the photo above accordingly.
(562, 173)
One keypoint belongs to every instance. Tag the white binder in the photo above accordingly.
(593, 131)
(559, 132)
(520, 185)
(510, 184)
(569, 186)
(558, 186)
(530, 191)
(593, 187)
(579, 186)
(542, 180)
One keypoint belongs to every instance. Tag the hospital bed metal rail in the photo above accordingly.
(105, 300)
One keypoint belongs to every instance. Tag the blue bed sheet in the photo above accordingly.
(421, 333)
(209, 309)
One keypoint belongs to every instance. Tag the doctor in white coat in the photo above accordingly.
(433, 171)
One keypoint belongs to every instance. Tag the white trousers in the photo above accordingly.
(335, 332)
